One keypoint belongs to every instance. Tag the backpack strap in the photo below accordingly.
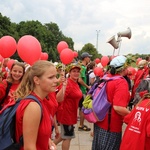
(88, 76)
(112, 78)
(90, 72)
(109, 118)
(9, 84)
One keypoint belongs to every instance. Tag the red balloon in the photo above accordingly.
(97, 60)
(44, 56)
(66, 56)
(104, 60)
(29, 49)
(10, 63)
(61, 45)
(8, 46)
(98, 71)
(75, 54)
(1, 58)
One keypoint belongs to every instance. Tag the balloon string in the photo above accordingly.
(1, 67)
(63, 68)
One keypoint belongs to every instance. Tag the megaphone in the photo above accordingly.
(126, 33)
(113, 42)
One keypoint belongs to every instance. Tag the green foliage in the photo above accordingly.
(91, 50)
(6, 27)
(131, 60)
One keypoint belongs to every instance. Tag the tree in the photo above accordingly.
(48, 35)
(6, 27)
(91, 50)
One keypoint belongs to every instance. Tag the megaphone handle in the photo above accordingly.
(119, 47)
(113, 52)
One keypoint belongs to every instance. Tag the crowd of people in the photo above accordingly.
(61, 91)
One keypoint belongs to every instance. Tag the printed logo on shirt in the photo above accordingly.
(142, 109)
(136, 122)
(136, 125)
(137, 117)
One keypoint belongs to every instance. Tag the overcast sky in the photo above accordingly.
(85, 20)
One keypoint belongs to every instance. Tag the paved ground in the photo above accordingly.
(83, 140)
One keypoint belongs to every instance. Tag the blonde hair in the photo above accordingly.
(27, 84)
(142, 63)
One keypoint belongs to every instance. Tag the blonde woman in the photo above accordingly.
(33, 122)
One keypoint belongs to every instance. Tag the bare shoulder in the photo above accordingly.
(33, 108)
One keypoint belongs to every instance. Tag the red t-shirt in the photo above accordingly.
(137, 133)
(118, 94)
(59, 108)
(59, 111)
(73, 94)
(45, 127)
(53, 104)
(3, 87)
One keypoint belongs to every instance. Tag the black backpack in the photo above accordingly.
(87, 77)
(7, 126)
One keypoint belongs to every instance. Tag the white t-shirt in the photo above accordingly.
(91, 76)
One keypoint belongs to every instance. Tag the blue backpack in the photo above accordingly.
(7, 126)
(96, 105)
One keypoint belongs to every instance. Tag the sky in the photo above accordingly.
(90, 21)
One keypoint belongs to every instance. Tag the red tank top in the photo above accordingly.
(44, 131)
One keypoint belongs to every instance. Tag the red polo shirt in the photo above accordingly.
(118, 95)
(73, 94)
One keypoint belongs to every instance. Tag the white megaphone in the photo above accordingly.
(113, 42)
(126, 33)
